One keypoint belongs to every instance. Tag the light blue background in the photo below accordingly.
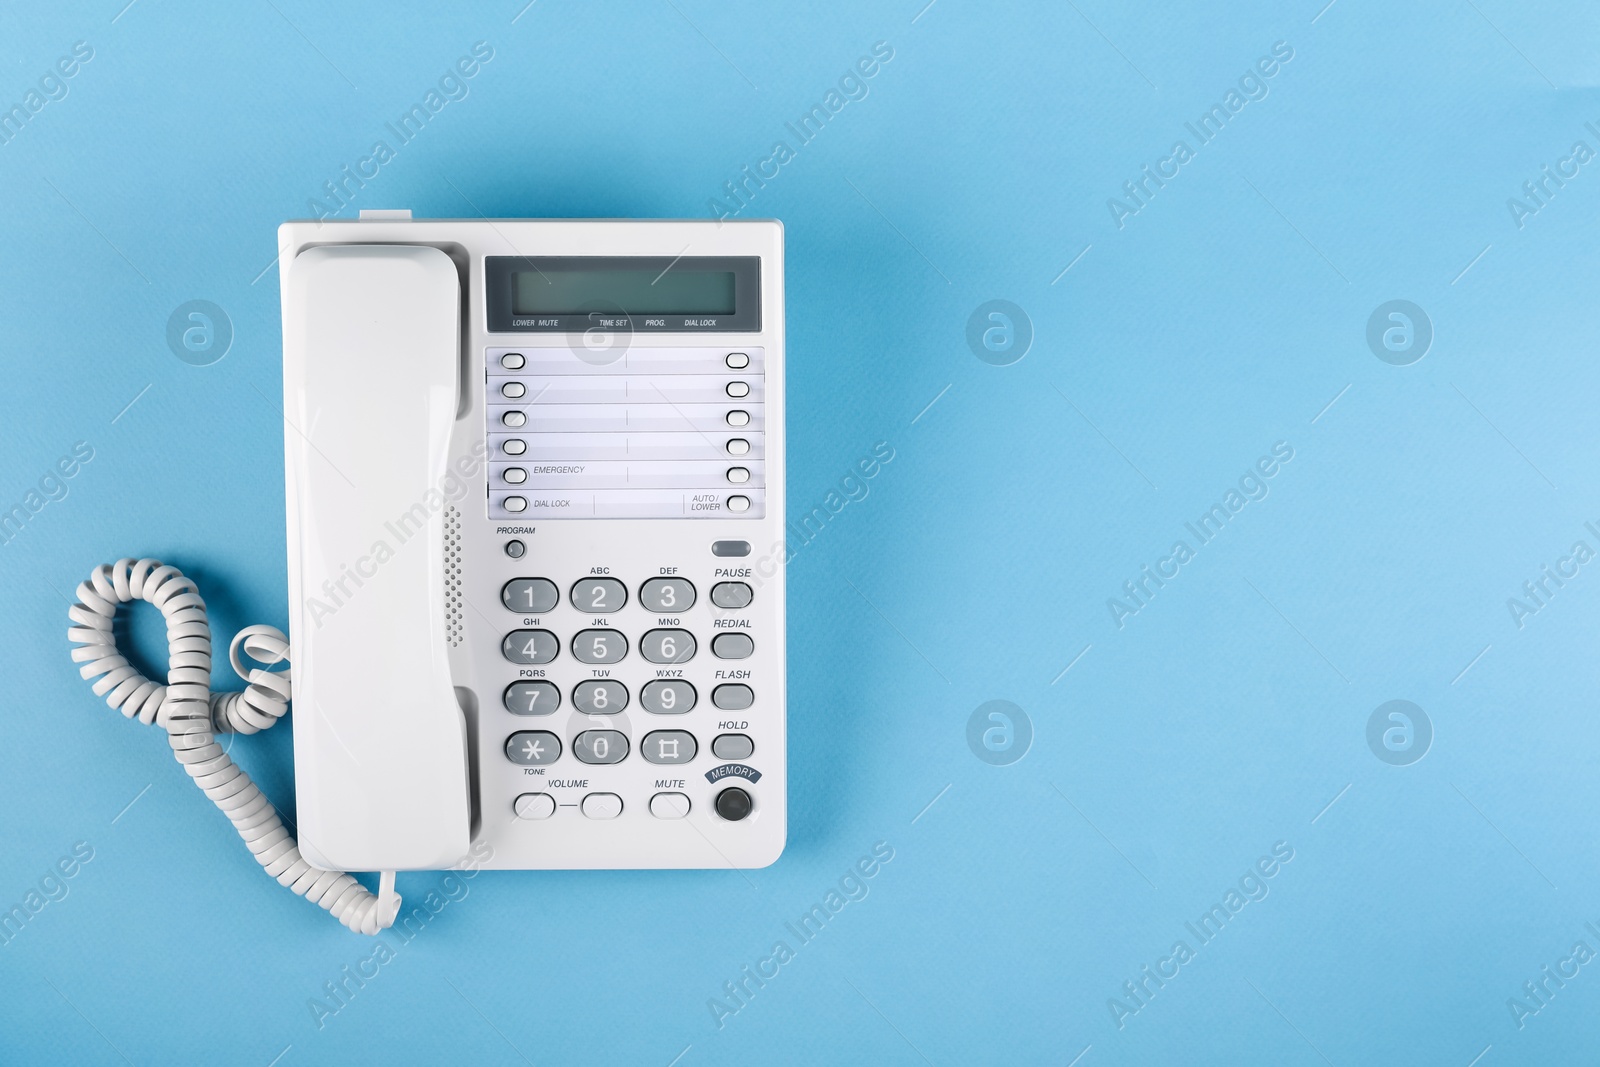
(1226, 716)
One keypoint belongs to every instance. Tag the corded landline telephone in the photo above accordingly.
(535, 508)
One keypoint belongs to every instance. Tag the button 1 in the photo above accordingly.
(535, 806)
(730, 548)
(530, 646)
(599, 595)
(737, 446)
(667, 646)
(516, 503)
(732, 646)
(600, 746)
(731, 595)
(733, 697)
(669, 805)
(514, 418)
(531, 698)
(513, 361)
(602, 805)
(514, 447)
(738, 389)
(533, 748)
(531, 596)
(599, 646)
(513, 390)
(515, 549)
(669, 746)
(514, 475)
(733, 803)
(733, 746)
(600, 698)
(667, 594)
(735, 418)
(736, 475)
(667, 698)
(737, 360)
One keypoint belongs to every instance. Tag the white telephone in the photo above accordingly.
(535, 517)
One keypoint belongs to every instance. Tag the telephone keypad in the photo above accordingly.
(530, 646)
(599, 646)
(667, 646)
(530, 596)
(600, 746)
(668, 698)
(532, 698)
(599, 698)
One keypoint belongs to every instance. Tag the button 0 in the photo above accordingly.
(533, 748)
(731, 595)
(602, 805)
(735, 418)
(600, 746)
(599, 595)
(531, 698)
(733, 803)
(513, 361)
(669, 805)
(667, 646)
(530, 646)
(732, 646)
(667, 594)
(531, 596)
(738, 389)
(600, 698)
(733, 746)
(513, 390)
(667, 698)
(599, 646)
(733, 697)
(535, 806)
(737, 360)
(669, 746)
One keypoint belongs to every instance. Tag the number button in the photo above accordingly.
(732, 646)
(667, 646)
(599, 646)
(533, 748)
(668, 746)
(599, 595)
(600, 746)
(667, 594)
(599, 698)
(530, 646)
(731, 595)
(531, 596)
(667, 698)
(531, 698)
(733, 697)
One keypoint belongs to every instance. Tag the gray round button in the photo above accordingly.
(732, 646)
(599, 646)
(600, 746)
(515, 549)
(531, 596)
(733, 746)
(731, 595)
(667, 646)
(600, 698)
(668, 746)
(599, 595)
(667, 698)
(667, 594)
(533, 748)
(530, 646)
(733, 697)
(531, 698)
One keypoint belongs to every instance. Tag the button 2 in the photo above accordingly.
(599, 595)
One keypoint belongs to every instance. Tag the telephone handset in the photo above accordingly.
(535, 525)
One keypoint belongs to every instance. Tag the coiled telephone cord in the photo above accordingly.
(192, 715)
